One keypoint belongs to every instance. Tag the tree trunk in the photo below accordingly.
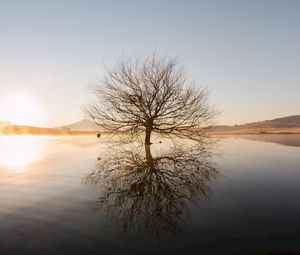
(148, 136)
(149, 159)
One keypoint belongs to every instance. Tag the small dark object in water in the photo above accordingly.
(160, 142)
(98, 135)
(99, 158)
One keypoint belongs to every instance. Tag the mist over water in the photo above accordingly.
(82, 195)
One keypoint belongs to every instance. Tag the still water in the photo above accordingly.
(82, 195)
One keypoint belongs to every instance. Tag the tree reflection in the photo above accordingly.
(152, 193)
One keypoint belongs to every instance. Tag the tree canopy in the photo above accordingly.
(150, 95)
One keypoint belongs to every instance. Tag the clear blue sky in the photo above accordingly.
(246, 52)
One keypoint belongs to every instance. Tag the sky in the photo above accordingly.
(245, 52)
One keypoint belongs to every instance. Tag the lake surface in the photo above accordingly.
(81, 195)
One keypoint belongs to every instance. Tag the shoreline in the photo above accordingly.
(265, 131)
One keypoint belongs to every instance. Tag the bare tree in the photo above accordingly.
(152, 95)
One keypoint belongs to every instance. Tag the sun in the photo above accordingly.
(21, 110)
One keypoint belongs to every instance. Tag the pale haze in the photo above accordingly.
(245, 52)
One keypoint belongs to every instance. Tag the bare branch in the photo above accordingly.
(148, 96)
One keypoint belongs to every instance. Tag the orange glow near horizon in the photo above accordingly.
(21, 110)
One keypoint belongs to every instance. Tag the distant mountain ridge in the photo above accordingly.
(278, 123)
(283, 122)
(283, 125)
(83, 125)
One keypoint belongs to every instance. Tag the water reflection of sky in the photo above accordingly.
(252, 206)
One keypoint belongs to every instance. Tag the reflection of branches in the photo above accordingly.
(152, 193)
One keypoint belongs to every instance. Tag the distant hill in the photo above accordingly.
(30, 130)
(284, 125)
(83, 125)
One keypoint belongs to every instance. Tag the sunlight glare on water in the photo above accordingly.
(18, 152)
